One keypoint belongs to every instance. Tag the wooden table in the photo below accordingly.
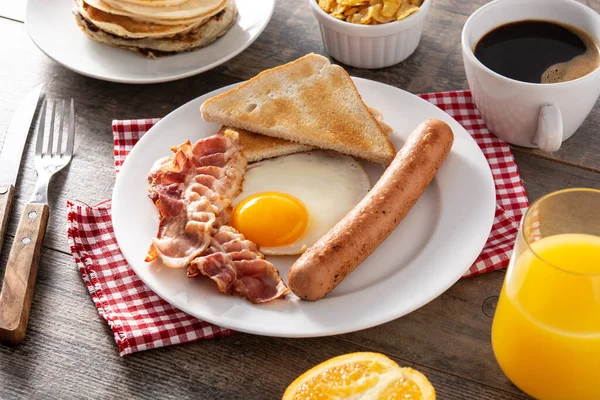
(69, 351)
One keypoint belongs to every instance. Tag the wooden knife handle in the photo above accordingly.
(21, 270)
(6, 197)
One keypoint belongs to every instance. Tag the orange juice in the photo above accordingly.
(546, 330)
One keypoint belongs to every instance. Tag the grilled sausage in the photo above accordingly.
(324, 265)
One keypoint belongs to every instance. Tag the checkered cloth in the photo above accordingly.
(141, 320)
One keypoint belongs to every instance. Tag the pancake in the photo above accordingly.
(108, 8)
(189, 9)
(127, 27)
(181, 21)
(155, 3)
(198, 37)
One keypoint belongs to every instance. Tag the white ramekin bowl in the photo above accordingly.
(370, 46)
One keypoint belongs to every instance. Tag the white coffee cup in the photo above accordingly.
(530, 114)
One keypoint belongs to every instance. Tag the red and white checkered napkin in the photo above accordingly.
(511, 199)
(141, 320)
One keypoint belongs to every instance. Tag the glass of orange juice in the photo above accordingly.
(546, 329)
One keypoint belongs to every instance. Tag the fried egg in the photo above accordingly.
(290, 202)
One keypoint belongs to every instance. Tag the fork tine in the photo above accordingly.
(61, 117)
(71, 132)
(51, 131)
(40, 136)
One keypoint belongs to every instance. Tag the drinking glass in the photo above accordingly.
(546, 329)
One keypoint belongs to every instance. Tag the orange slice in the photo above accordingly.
(357, 376)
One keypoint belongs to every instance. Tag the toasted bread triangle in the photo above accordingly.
(258, 147)
(307, 101)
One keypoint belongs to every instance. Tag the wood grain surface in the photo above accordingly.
(21, 272)
(6, 197)
(69, 351)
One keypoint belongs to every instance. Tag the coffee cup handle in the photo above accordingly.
(549, 133)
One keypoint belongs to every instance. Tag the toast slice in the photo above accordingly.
(379, 117)
(258, 147)
(308, 101)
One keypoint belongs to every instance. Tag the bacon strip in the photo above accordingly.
(237, 266)
(192, 190)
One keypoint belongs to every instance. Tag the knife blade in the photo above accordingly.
(16, 136)
(12, 151)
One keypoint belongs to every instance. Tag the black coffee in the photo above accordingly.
(538, 52)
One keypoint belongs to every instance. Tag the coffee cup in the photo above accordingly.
(538, 115)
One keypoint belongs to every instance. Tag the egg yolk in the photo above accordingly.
(270, 219)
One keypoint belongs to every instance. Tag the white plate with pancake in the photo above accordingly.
(52, 27)
(428, 252)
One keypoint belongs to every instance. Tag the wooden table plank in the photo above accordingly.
(542, 176)
(447, 332)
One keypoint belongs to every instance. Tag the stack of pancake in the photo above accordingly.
(155, 28)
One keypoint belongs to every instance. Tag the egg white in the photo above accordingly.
(329, 185)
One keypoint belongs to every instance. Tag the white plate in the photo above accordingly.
(53, 29)
(429, 251)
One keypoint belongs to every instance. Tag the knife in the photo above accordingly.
(12, 150)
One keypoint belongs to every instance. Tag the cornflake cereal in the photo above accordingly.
(370, 12)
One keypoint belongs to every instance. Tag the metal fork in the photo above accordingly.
(50, 160)
(21, 268)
